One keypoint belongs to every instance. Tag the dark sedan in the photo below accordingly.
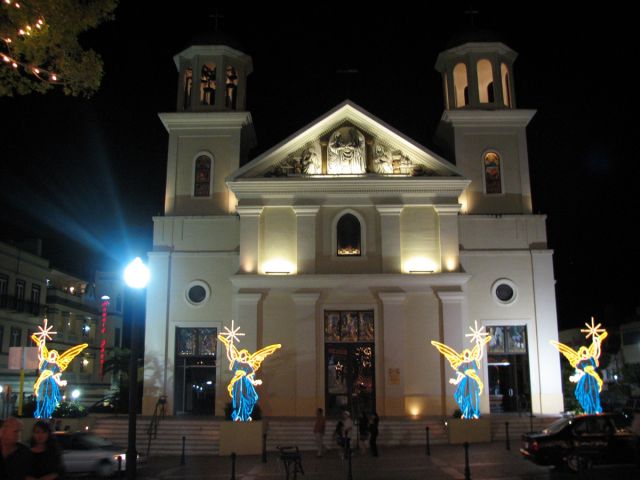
(583, 441)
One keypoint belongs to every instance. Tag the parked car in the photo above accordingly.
(583, 441)
(84, 452)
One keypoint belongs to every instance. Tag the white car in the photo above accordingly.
(86, 453)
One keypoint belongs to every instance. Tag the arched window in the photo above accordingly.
(348, 236)
(202, 176)
(506, 91)
(208, 84)
(232, 87)
(492, 173)
(485, 81)
(461, 85)
(446, 91)
(188, 85)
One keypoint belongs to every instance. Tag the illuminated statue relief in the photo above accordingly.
(382, 160)
(244, 367)
(585, 360)
(346, 152)
(310, 161)
(466, 365)
(307, 161)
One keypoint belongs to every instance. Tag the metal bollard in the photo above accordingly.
(506, 426)
(349, 475)
(428, 443)
(119, 466)
(183, 459)
(467, 470)
(264, 448)
(233, 466)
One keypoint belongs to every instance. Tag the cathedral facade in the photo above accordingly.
(353, 246)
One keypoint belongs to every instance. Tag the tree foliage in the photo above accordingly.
(30, 60)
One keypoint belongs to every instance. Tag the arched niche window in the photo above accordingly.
(203, 170)
(348, 236)
(491, 163)
(188, 87)
(485, 81)
(461, 85)
(208, 84)
(231, 82)
(446, 91)
(506, 91)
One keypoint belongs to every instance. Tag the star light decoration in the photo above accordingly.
(232, 334)
(45, 332)
(593, 329)
(477, 334)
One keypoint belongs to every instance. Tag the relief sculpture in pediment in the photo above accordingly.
(346, 152)
(307, 161)
(388, 162)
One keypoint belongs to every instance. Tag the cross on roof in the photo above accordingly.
(472, 12)
(215, 17)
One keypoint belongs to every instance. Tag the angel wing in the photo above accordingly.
(455, 359)
(593, 349)
(42, 347)
(229, 345)
(255, 360)
(65, 358)
(476, 352)
(568, 352)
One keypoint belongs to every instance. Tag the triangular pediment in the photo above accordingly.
(347, 142)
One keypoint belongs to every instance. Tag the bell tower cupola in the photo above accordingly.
(212, 75)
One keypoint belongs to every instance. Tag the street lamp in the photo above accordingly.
(136, 276)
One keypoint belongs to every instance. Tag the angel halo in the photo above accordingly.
(244, 367)
(51, 365)
(466, 364)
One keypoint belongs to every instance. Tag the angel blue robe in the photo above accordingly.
(587, 390)
(48, 392)
(467, 395)
(244, 394)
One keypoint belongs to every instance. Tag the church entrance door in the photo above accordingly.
(508, 364)
(195, 374)
(349, 362)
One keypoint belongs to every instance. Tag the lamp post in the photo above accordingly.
(136, 276)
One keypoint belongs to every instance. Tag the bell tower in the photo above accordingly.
(482, 128)
(211, 132)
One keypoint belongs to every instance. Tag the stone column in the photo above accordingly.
(449, 237)
(306, 235)
(454, 305)
(306, 354)
(394, 352)
(155, 335)
(390, 236)
(249, 238)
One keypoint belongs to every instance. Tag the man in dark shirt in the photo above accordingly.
(14, 457)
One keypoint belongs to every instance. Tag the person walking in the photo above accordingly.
(347, 433)
(15, 457)
(373, 434)
(363, 430)
(318, 431)
(46, 462)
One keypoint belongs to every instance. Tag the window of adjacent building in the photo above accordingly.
(348, 236)
(231, 82)
(35, 299)
(20, 288)
(492, 173)
(202, 176)
(506, 92)
(4, 286)
(188, 87)
(208, 84)
(461, 85)
(485, 81)
(16, 337)
(116, 337)
(119, 303)
(1, 338)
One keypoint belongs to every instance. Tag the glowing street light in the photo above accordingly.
(136, 275)
(75, 394)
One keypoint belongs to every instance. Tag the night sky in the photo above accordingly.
(86, 176)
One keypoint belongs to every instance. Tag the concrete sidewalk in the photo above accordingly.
(487, 461)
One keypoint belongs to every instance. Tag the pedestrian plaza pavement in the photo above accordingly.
(486, 461)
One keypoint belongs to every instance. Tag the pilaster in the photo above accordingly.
(307, 400)
(394, 365)
(249, 238)
(390, 237)
(306, 238)
(449, 237)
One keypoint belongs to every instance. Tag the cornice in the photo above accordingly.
(204, 120)
(488, 118)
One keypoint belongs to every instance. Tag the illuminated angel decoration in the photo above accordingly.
(467, 364)
(585, 360)
(51, 365)
(244, 366)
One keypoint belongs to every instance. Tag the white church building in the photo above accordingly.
(353, 246)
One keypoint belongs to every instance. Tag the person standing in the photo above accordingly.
(15, 457)
(373, 434)
(363, 430)
(46, 463)
(347, 432)
(318, 431)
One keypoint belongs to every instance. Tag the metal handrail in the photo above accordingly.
(158, 413)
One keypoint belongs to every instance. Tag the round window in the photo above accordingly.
(504, 291)
(197, 292)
